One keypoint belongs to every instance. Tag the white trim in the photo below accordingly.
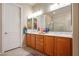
(21, 25)
(2, 28)
(20, 6)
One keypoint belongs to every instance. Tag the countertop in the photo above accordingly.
(60, 34)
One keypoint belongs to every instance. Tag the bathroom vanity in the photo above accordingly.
(51, 43)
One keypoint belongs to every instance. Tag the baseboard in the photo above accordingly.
(12, 49)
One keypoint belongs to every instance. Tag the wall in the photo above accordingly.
(26, 10)
(0, 27)
(75, 18)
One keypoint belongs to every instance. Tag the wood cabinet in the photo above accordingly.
(33, 41)
(28, 39)
(63, 46)
(39, 43)
(49, 43)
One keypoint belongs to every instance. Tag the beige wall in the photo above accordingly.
(0, 27)
(27, 10)
(75, 18)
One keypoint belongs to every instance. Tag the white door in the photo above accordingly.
(11, 27)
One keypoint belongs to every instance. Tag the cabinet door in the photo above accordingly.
(28, 39)
(49, 45)
(39, 42)
(33, 40)
(63, 46)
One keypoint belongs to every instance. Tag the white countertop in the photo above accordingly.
(60, 34)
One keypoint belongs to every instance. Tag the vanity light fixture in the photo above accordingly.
(40, 12)
(57, 6)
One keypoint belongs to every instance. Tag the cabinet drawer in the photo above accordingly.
(39, 36)
(39, 40)
(39, 43)
(28, 35)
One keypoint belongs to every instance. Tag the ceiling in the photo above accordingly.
(33, 4)
(29, 4)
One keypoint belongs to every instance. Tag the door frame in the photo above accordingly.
(21, 17)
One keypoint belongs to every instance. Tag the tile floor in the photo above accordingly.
(22, 52)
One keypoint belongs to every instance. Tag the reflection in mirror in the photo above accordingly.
(34, 23)
(59, 20)
(29, 23)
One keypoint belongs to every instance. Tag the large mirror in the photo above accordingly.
(59, 20)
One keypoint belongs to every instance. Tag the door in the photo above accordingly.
(40, 43)
(49, 43)
(63, 46)
(28, 39)
(11, 27)
(33, 40)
